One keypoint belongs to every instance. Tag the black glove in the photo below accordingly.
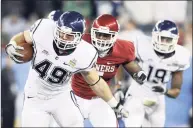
(159, 89)
(140, 77)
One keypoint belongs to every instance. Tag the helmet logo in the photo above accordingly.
(171, 29)
(66, 29)
(103, 29)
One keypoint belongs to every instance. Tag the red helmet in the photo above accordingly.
(104, 24)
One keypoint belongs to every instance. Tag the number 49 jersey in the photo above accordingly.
(159, 70)
(50, 73)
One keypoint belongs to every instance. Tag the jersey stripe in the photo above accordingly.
(37, 26)
(34, 45)
(74, 100)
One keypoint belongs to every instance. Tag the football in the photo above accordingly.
(27, 52)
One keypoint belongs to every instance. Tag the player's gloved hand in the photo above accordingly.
(118, 108)
(121, 110)
(11, 50)
(159, 89)
(140, 77)
(119, 95)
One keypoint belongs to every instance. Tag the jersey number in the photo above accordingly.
(57, 75)
(159, 75)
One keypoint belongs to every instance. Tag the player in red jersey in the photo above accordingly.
(112, 53)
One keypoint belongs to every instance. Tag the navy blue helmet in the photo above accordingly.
(69, 29)
(165, 36)
(54, 15)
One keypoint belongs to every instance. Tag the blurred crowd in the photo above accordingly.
(142, 14)
(136, 17)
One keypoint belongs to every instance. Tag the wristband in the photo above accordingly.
(112, 102)
(95, 82)
(166, 92)
(13, 43)
(168, 95)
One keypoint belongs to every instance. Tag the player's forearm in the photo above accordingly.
(173, 93)
(102, 90)
(22, 37)
(132, 67)
(118, 78)
(119, 75)
(18, 38)
(136, 72)
(176, 84)
(98, 85)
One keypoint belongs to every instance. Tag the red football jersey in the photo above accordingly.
(123, 52)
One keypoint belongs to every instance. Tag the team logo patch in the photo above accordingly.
(45, 52)
(72, 63)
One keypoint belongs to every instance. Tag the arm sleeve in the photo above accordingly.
(92, 63)
(185, 62)
(131, 52)
(34, 27)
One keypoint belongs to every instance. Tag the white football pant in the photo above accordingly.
(38, 111)
(136, 112)
(98, 112)
(154, 104)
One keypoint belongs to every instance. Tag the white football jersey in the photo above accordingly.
(159, 70)
(49, 73)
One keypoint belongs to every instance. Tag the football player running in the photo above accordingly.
(112, 54)
(162, 59)
(59, 52)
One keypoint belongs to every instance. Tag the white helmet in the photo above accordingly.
(165, 36)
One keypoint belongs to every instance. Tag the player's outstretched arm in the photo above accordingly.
(100, 87)
(135, 71)
(176, 83)
(12, 47)
(177, 79)
(22, 37)
(118, 88)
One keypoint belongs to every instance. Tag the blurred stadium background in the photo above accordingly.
(139, 16)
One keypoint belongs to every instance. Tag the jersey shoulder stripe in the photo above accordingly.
(34, 27)
(32, 31)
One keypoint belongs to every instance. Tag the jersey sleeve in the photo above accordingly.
(87, 56)
(92, 64)
(134, 41)
(128, 50)
(131, 52)
(34, 27)
(184, 62)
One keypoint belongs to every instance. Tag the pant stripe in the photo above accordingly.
(75, 101)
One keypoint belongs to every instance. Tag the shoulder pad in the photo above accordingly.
(182, 57)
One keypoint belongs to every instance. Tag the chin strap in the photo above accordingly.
(104, 53)
(164, 55)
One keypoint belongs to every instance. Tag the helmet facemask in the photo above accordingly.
(103, 40)
(164, 41)
(65, 39)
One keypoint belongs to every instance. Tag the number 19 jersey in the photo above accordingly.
(159, 70)
(50, 73)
